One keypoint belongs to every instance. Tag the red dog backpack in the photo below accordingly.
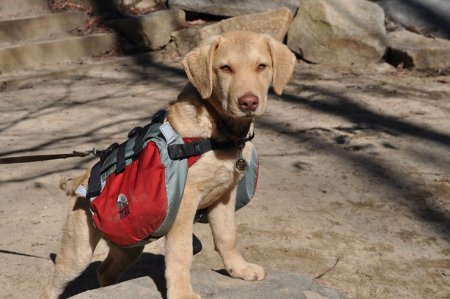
(136, 188)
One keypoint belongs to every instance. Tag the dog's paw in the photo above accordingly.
(248, 272)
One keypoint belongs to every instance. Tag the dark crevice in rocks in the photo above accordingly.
(398, 58)
(192, 16)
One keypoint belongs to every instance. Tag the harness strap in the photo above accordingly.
(138, 141)
(95, 183)
(196, 148)
(120, 158)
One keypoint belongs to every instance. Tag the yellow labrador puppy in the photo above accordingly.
(229, 80)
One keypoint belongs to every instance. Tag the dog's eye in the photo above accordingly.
(261, 67)
(226, 68)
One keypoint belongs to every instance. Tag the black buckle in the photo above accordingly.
(159, 116)
(134, 131)
(104, 153)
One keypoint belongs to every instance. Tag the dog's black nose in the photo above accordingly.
(248, 102)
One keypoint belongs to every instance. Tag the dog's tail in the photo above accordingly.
(70, 184)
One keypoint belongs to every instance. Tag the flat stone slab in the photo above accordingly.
(40, 26)
(210, 284)
(38, 54)
(22, 8)
(273, 22)
(233, 8)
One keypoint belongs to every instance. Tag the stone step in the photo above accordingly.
(26, 56)
(22, 8)
(39, 27)
(135, 67)
(89, 66)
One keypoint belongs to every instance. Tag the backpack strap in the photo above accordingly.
(193, 148)
(95, 183)
(120, 158)
(138, 141)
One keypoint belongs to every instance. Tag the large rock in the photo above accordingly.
(423, 16)
(416, 51)
(343, 32)
(152, 30)
(275, 23)
(234, 7)
(187, 38)
(213, 285)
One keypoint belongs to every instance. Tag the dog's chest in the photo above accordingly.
(216, 174)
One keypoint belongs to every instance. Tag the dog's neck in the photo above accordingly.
(236, 130)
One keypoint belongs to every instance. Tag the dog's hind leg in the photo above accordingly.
(78, 243)
(117, 261)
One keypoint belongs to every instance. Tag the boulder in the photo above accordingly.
(187, 39)
(417, 51)
(338, 32)
(151, 30)
(274, 23)
(280, 285)
(430, 17)
(233, 8)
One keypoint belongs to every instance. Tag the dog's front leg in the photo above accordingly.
(222, 220)
(179, 250)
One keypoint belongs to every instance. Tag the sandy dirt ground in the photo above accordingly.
(354, 184)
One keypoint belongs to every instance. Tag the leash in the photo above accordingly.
(176, 151)
(38, 158)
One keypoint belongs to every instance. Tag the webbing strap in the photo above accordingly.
(138, 142)
(196, 148)
(95, 183)
(120, 158)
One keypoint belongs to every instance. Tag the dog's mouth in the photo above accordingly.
(247, 115)
(239, 115)
(234, 111)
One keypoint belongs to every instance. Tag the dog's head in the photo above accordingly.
(235, 70)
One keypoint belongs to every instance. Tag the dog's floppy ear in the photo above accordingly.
(283, 61)
(198, 66)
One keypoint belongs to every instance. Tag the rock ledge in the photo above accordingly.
(210, 284)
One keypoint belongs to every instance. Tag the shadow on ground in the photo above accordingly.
(149, 264)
